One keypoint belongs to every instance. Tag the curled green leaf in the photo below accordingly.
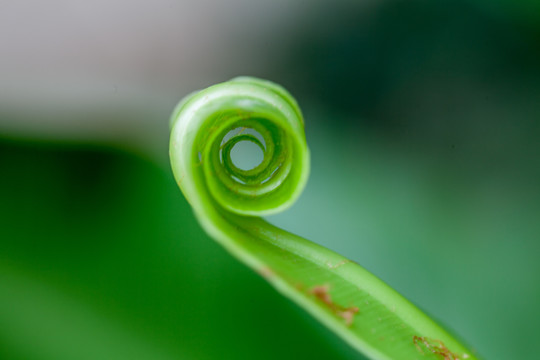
(229, 201)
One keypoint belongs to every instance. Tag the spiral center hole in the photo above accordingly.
(246, 155)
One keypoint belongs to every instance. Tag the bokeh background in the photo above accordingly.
(423, 119)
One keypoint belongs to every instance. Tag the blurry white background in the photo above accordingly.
(112, 70)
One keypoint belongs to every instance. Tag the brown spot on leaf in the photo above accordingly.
(322, 293)
(179, 182)
(266, 272)
(436, 347)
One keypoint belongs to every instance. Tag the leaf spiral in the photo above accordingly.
(201, 124)
(228, 202)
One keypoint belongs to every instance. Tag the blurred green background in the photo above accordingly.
(423, 119)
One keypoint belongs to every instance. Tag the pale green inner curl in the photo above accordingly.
(265, 178)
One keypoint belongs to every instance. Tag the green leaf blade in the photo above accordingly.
(356, 305)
